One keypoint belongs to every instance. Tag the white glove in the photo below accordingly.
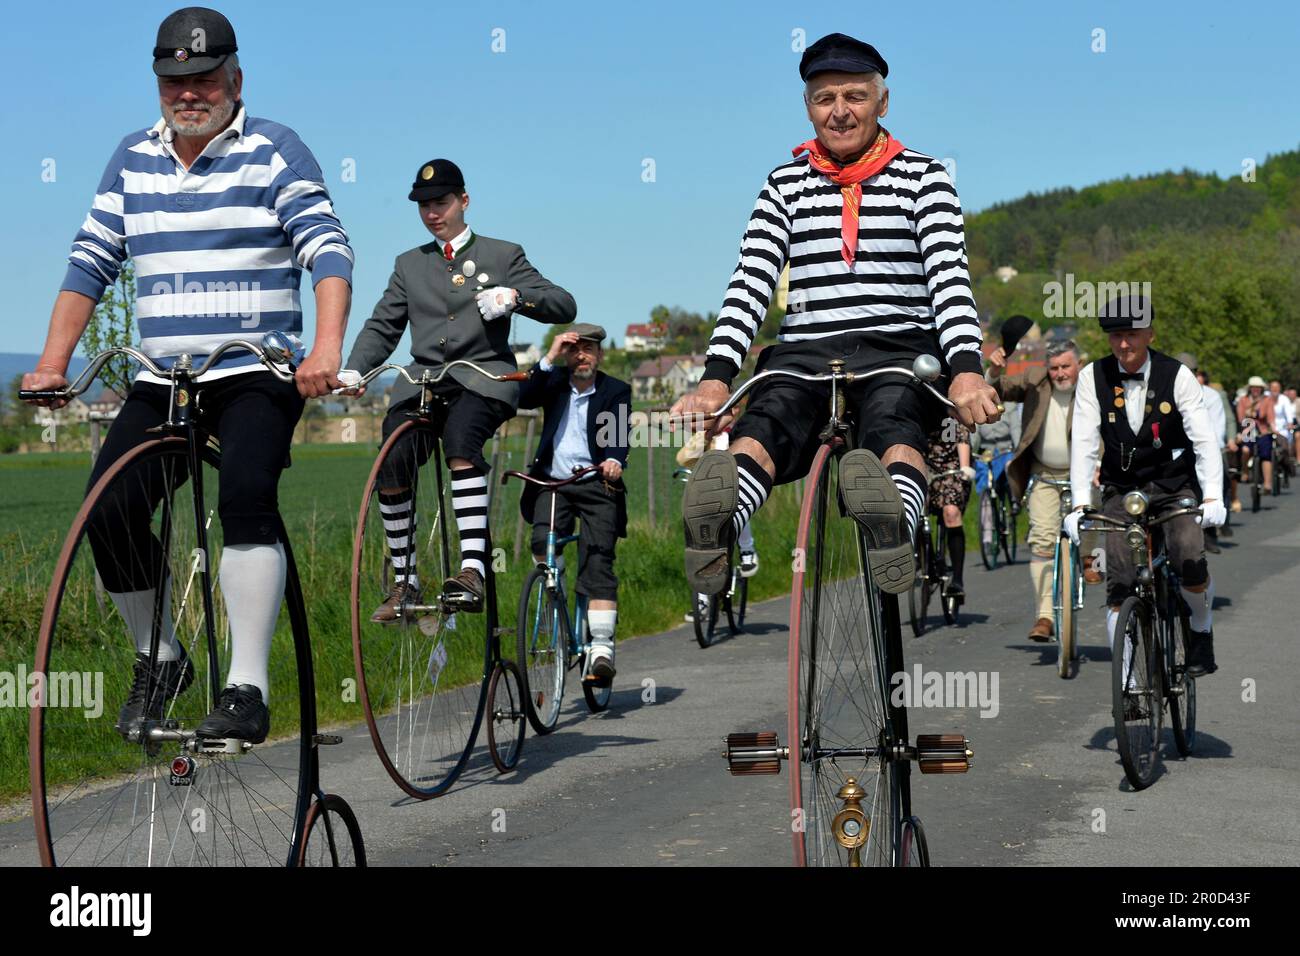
(1071, 525)
(350, 378)
(968, 472)
(1213, 514)
(495, 302)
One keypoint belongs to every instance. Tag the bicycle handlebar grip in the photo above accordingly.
(26, 396)
(515, 377)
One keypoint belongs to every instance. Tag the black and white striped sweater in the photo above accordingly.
(908, 281)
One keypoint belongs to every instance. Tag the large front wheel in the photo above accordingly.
(422, 673)
(841, 724)
(139, 569)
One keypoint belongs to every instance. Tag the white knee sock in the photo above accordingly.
(136, 608)
(1200, 608)
(252, 580)
(601, 626)
(745, 540)
(1112, 618)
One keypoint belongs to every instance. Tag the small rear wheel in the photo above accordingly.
(918, 598)
(507, 715)
(707, 611)
(739, 602)
(913, 850)
(1010, 530)
(988, 531)
(1182, 689)
(333, 836)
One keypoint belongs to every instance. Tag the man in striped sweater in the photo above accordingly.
(873, 235)
(221, 212)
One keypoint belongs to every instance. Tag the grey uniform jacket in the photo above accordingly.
(445, 321)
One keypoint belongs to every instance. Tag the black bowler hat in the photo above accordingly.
(192, 40)
(436, 178)
(1013, 330)
(843, 54)
(1126, 312)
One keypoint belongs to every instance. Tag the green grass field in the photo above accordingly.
(319, 498)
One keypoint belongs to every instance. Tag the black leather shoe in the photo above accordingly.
(1200, 654)
(239, 715)
(170, 678)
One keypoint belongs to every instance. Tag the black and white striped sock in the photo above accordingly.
(399, 529)
(469, 501)
(753, 487)
(913, 487)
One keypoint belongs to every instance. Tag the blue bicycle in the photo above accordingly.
(549, 642)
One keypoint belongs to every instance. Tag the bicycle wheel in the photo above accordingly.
(507, 715)
(738, 605)
(1010, 521)
(152, 795)
(1181, 689)
(1137, 711)
(1256, 482)
(1277, 478)
(918, 598)
(841, 725)
(423, 677)
(541, 645)
(1064, 584)
(988, 531)
(947, 603)
(707, 631)
(914, 851)
(333, 835)
(596, 695)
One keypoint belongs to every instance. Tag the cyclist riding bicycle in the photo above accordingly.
(873, 235)
(456, 294)
(1044, 453)
(1215, 408)
(1257, 408)
(1284, 414)
(949, 451)
(1143, 415)
(585, 409)
(166, 199)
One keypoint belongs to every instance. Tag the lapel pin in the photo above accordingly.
(1165, 408)
(483, 277)
(458, 280)
(469, 267)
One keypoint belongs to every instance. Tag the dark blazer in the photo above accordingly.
(444, 318)
(608, 411)
(1033, 387)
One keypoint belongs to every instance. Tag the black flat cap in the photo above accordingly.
(436, 178)
(1013, 330)
(587, 331)
(1126, 312)
(842, 54)
(192, 40)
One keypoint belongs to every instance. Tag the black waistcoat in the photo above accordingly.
(1131, 461)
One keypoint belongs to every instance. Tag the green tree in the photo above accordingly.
(112, 326)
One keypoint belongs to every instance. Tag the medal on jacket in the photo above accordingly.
(468, 267)
(1155, 435)
(458, 280)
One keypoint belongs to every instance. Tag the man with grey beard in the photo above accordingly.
(221, 213)
(586, 424)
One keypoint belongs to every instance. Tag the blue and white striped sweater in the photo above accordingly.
(219, 249)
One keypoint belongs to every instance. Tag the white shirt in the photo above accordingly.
(571, 449)
(1085, 447)
(1218, 417)
(1283, 414)
(457, 243)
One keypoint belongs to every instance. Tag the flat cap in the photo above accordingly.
(1126, 312)
(587, 331)
(843, 54)
(192, 40)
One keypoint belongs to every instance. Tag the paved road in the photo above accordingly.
(643, 784)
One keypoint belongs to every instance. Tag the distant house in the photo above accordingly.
(526, 354)
(106, 404)
(642, 338)
(667, 377)
(1006, 273)
(76, 411)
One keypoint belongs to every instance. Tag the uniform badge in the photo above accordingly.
(426, 173)
(483, 277)
(181, 54)
(1110, 417)
(458, 280)
(1165, 408)
(1119, 389)
(1147, 408)
(468, 267)
(1119, 402)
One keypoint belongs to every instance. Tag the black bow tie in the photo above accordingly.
(1131, 377)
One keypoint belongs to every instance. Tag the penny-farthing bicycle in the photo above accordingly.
(427, 678)
(153, 793)
(848, 746)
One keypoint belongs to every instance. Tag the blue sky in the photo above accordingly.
(553, 132)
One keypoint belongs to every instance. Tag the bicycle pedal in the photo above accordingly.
(754, 754)
(943, 753)
(327, 739)
(220, 745)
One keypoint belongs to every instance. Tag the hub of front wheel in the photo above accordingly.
(753, 754)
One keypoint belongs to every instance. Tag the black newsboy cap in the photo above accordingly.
(436, 178)
(192, 40)
(843, 54)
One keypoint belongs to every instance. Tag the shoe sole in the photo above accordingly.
(708, 504)
(872, 498)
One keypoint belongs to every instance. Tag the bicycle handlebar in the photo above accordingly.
(425, 378)
(554, 483)
(274, 348)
